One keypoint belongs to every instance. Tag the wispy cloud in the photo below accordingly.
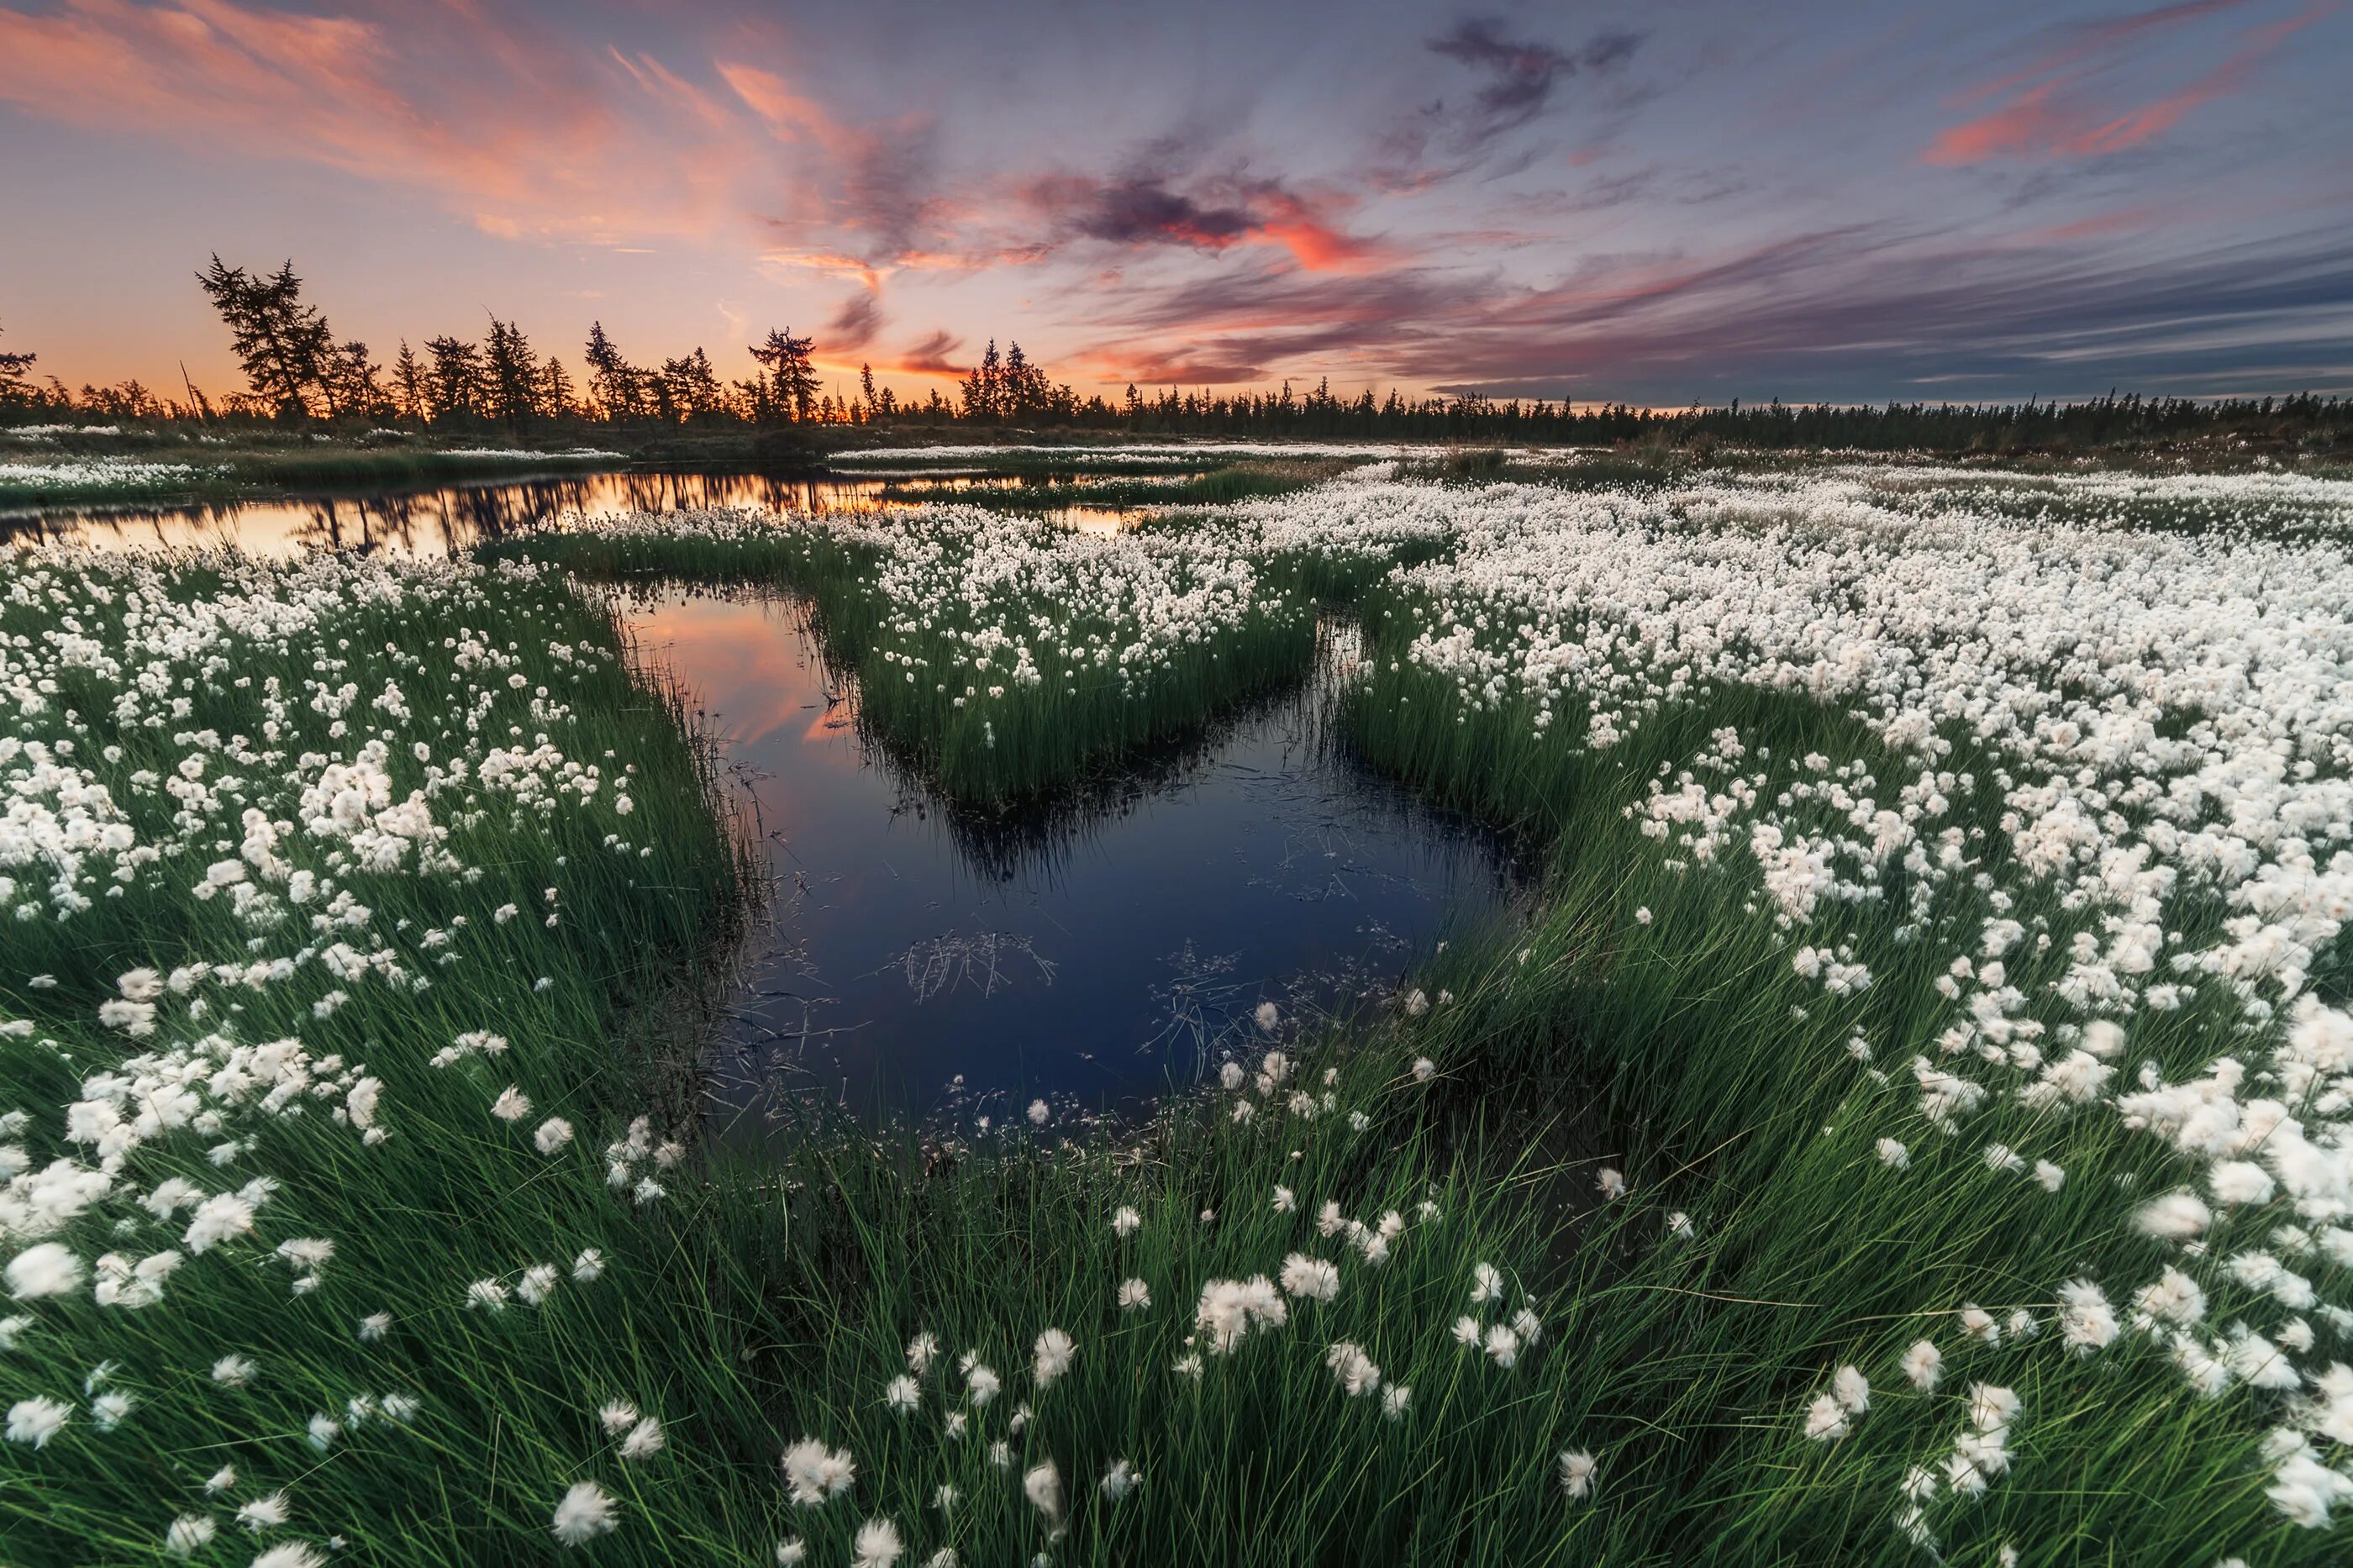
(2058, 107)
(1140, 209)
(516, 136)
(1519, 74)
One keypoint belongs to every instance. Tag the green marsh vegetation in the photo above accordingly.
(1617, 1236)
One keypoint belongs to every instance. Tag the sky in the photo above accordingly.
(1685, 200)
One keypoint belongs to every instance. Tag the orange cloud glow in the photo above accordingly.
(493, 124)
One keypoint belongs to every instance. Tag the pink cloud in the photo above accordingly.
(2052, 110)
(520, 138)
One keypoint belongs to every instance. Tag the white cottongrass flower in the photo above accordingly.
(2236, 1182)
(791, 1553)
(2177, 1216)
(588, 1266)
(1043, 1486)
(1395, 1398)
(1284, 1200)
(1309, 1277)
(814, 1473)
(584, 1514)
(2087, 1322)
(1852, 1389)
(36, 1420)
(1119, 1481)
(1826, 1419)
(1612, 1183)
(375, 1326)
(1502, 1345)
(1353, 1368)
(266, 1511)
(1230, 1309)
(981, 1384)
(44, 1268)
(538, 1283)
(1923, 1363)
(1038, 1112)
(290, 1554)
(1424, 1070)
(323, 1432)
(1125, 1220)
(1679, 1226)
(511, 1105)
(876, 1546)
(1528, 1326)
(922, 1351)
(903, 1395)
(487, 1295)
(645, 1440)
(1992, 1408)
(1466, 1330)
(1894, 1155)
(617, 1416)
(1135, 1296)
(189, 1533)
(1486, 1283)
(552, 1135)
(1054, 1351)
(220, 1481)
(1268, 1016)
(233, 1371)
(1577, 1474)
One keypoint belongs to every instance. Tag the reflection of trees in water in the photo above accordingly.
(444, 518)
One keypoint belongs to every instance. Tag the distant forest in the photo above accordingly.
(299, 373)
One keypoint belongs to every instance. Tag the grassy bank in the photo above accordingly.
(72, 469)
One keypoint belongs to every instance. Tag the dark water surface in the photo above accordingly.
(924, 966)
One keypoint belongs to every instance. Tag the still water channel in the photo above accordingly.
(925, 967)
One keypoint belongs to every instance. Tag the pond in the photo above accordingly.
(922, 965)
(925, 967)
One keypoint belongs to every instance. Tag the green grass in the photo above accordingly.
(1048, 489)
(229, 473)
(1644, 1019)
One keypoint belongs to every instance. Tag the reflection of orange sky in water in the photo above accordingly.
(745, 662)
(437, 519)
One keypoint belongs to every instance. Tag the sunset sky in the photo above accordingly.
(1662, 203)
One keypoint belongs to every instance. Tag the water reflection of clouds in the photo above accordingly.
(1093, 950)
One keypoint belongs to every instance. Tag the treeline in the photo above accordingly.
(298, 371)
